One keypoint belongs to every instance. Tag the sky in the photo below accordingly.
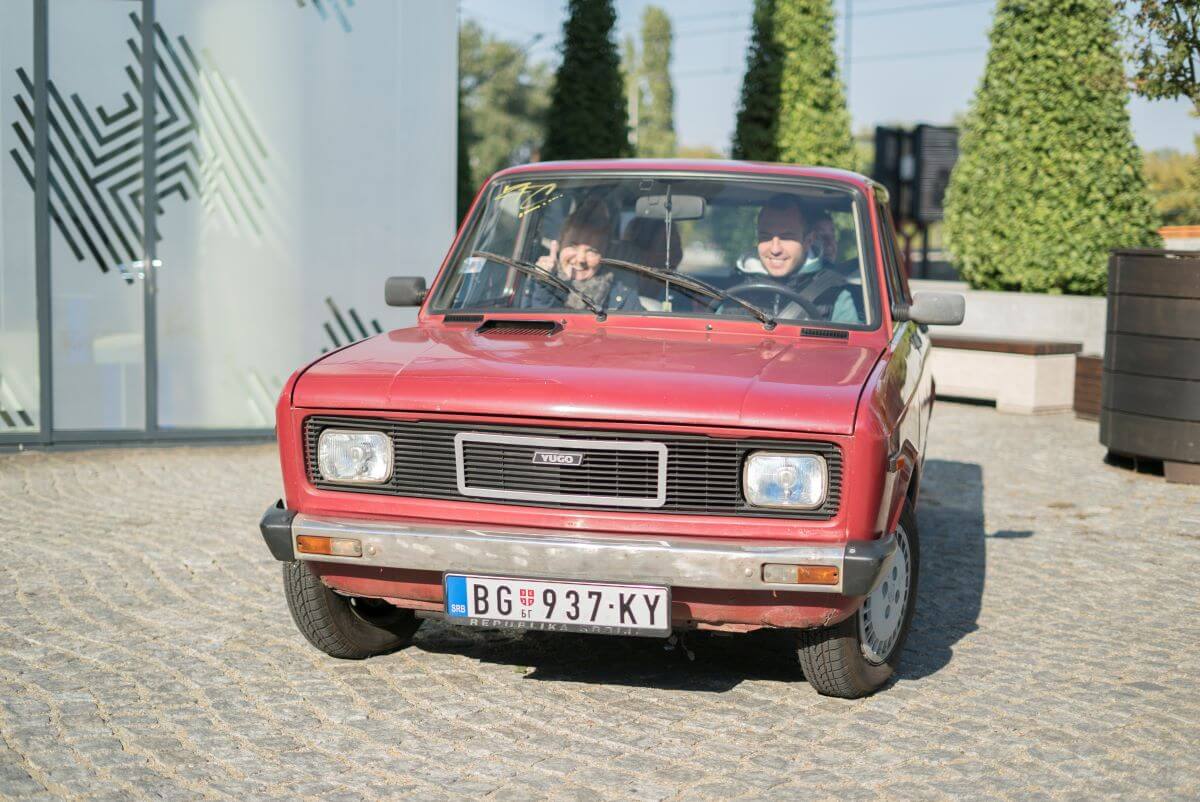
(912, 61)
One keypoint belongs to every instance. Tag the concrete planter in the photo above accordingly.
(1151, 381)
(1028, 315)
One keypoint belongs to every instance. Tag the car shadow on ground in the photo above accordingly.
(952, 571)
(953, 565)
(702, 661)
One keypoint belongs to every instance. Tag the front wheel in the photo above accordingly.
(856, 657)
(349, 627)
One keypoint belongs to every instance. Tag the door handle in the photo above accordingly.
(137, 270)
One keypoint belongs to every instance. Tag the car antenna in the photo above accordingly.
(667, 265)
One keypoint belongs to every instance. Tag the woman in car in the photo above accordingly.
(575, 256)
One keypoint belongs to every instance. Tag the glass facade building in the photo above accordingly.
(198, 197)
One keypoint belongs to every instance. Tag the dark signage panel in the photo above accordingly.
(915, 167)
(936, 151)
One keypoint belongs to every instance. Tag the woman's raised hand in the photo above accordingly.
(550, 260)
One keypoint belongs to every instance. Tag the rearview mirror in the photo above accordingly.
(404, 291)
(683, 207)
(934, 309)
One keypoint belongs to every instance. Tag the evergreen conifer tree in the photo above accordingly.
(814, 123)
(656, 115)
(1048, 178)
(587, 118)
(465, 190)
(754, 137)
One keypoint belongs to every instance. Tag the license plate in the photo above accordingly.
(558, 606)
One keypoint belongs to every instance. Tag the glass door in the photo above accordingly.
(192, 209)
(20, 385)
(98, 260)
(295, 171)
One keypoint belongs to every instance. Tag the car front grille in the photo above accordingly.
(620, 470)
(518, 467)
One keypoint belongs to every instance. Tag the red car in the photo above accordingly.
(640, 397)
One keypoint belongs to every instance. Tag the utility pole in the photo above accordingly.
(632, 108)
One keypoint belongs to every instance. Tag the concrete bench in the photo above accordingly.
(1023, 376)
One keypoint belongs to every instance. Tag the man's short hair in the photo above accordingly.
(782, 202)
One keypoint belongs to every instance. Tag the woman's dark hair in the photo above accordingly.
(589, 223)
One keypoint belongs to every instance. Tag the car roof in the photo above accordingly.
(708, 166)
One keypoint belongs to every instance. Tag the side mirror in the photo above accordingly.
(404, 291)
(934, 309)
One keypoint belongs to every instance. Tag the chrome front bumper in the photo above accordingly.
(675, 561)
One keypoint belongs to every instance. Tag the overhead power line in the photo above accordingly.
(949, 51)
(883, 12)
(911, 54)
(736, 14)
(870, 12)
(683, 33)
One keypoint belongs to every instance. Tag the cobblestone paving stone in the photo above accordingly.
(146, 651)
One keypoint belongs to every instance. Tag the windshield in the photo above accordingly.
(644, 244)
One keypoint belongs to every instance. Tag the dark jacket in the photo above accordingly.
(622, 295)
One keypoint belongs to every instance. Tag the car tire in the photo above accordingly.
(347, 627)
(855, 657)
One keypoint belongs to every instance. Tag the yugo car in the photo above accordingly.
(639, 398)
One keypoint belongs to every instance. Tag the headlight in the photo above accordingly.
(354, 457)
(776, 479)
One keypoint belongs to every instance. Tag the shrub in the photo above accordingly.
(814, 124)
(1049, 178)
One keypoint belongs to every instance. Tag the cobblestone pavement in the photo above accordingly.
(146, 650)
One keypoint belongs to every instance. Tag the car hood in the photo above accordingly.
(634, 375)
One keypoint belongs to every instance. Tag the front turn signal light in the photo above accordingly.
(331, 546)
(801, 574)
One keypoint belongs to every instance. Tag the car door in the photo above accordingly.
(909, 345)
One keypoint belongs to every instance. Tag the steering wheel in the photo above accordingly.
(796, 299)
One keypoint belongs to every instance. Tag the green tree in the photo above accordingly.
(1174, 182)
(699, 152)
(758, 112)
(656, 113)
(1165, 53)
(634, 95)
(587, 118)
(814, 124)
(465, 189)
(1048, 178)
(502, 106)
(1165, 37)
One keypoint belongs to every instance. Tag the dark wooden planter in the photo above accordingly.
(1151, 384)
(1088, 373)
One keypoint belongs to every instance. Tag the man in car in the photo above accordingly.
(784, 244)
(821, 242)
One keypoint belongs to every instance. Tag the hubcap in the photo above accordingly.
(882, 614)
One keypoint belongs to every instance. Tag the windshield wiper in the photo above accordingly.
(546, 276)
(693, 283)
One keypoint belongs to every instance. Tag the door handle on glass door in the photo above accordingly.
(136, 270)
